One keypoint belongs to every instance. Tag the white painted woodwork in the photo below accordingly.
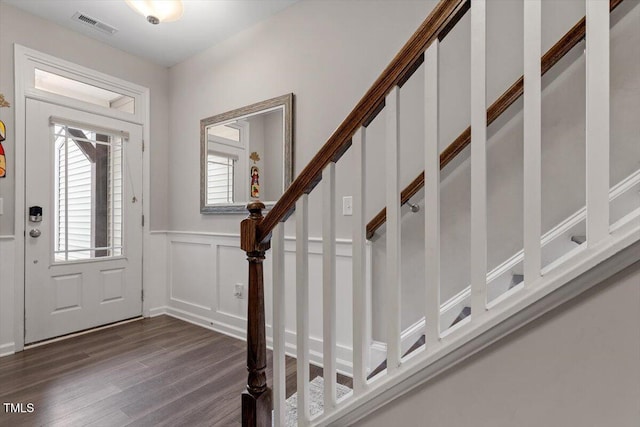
(478, 159)
(7, 262)
(532, 140)
(611, 256)
(392, 151)
(65, 297)
(329, 285)
(597, 121)
(360, 344)
(278, 326)
(302, 307)
(203, 267)
(432, 194)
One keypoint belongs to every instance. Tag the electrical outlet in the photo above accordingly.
(347, 205)
(239, 291)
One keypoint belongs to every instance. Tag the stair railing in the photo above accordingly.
(574, 36)
(259, 234)
(256, 233)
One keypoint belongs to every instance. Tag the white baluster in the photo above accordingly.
(279, 372)
(360, 345)
(478, 160)
(532, 140)
(432, 194)
(302, 308)
(329, 285)
(392, 285)
(597, 132)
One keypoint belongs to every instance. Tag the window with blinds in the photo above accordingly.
(88, 205)
(220, 171)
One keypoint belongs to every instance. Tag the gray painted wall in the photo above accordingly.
(575, 366)
(327, 53)
(17, 26)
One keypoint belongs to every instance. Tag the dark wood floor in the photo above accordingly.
(152, 372)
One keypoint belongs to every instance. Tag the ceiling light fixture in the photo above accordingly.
(157, 11)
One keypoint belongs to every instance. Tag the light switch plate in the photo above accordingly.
(238, 293)
(347, 205)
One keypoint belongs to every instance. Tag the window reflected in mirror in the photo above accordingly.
(220, 171)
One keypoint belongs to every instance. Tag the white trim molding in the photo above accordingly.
(7, 289)
(522, 305)
(7, 349)
(25, 62)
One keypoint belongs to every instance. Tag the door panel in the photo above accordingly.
(83, 256)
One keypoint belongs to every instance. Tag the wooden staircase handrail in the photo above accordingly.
(511, 95)
(441, 19)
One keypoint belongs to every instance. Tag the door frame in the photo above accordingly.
(25, 60)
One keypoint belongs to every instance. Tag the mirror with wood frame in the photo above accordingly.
(246, 155)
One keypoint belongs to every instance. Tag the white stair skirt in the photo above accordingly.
(316, 400)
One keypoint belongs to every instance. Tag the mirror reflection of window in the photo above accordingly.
(230, 132)
(226, 160)
(220, 173)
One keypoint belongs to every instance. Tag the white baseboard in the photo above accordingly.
(343, 364)
(205, 322)
(7, 349)
(408, 337)
(155, 311)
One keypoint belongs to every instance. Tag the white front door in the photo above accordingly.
(83, 254)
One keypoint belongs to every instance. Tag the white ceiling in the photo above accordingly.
(204, 23)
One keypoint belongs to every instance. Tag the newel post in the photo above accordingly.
(256, 399)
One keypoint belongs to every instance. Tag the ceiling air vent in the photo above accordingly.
(94, 23)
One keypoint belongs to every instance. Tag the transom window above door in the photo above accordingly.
(60, 85)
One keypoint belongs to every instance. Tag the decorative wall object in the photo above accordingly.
(255, 176)
(3, 161)
(3, 102)
(255, 182)
(3, 133)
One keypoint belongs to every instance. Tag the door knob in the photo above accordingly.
(34, 232)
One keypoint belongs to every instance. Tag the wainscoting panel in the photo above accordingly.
(229, 276)
(7, 304)
(191, 274)
(206, 270)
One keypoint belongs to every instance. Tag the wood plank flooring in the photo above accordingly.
(152, 372)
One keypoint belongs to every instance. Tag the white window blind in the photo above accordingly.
(220, 171)
(88, 205)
